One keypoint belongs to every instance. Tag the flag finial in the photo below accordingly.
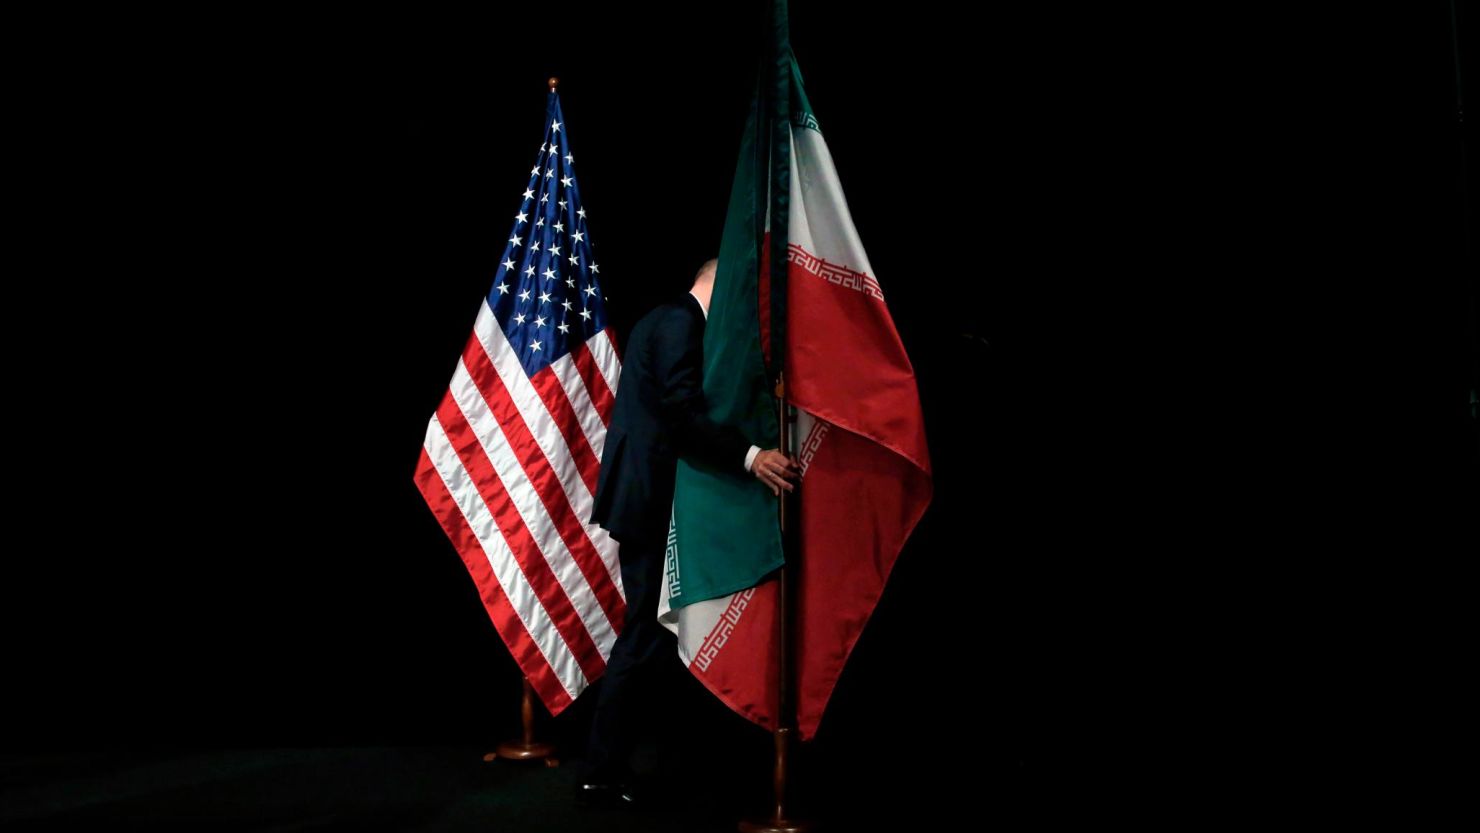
(553, 82)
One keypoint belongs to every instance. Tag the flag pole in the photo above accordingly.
(786, 731)
(789, 515)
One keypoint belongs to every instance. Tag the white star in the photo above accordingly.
(534, 170)
(539, 321)
(522, 217)
(564, 328)
(529, 270)
(562, 203)
(579, 236)
(581, 213)
(555, 126)
(545, 297)
(550, 273)
(503, 289)
(509, 264)
(570, 160)
(590, 290)
(528, 194)
(519, 319)
(586, 314)
(554, 148)
(515, 240)
(540, 223)
(524, 296)
(542, 147)
(570, 282)
(535, 247)
(565, 180)
(554, 250)
(574, 261)
(595, 268)
(549, 173)
(535, 346)
(545, 198)
(558, 225)
(566, 305)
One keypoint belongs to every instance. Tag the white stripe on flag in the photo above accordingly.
(607, 362)
(820, 221)
(580, 399)
(516, 587)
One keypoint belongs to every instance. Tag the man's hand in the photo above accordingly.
(776, 470)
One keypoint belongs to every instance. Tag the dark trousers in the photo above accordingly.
(624, 703)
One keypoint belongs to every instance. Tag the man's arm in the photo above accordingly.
(678, 361)
(678, 364)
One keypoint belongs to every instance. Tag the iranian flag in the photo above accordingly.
(860, 436)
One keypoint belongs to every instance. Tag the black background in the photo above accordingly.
(1185, 297)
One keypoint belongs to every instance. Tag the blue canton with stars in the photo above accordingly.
(547, 297)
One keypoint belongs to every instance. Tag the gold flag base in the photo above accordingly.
(774, 826)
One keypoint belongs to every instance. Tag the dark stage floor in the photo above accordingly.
(422, 789)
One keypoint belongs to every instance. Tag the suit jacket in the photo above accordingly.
(659, 416)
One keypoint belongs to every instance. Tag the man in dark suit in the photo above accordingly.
(659, 417)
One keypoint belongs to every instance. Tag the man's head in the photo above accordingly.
(705, 275)
(704, 282)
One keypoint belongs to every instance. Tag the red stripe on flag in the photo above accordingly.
(820, 316)
(601, 395)
(510, 629)
(847, 559)
(532, 563)
(546, 484)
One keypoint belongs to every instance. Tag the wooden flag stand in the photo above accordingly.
(785, 596)
(526, 748)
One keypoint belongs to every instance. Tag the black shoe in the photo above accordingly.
(608, 795)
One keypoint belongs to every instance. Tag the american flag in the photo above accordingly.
(510, 459)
